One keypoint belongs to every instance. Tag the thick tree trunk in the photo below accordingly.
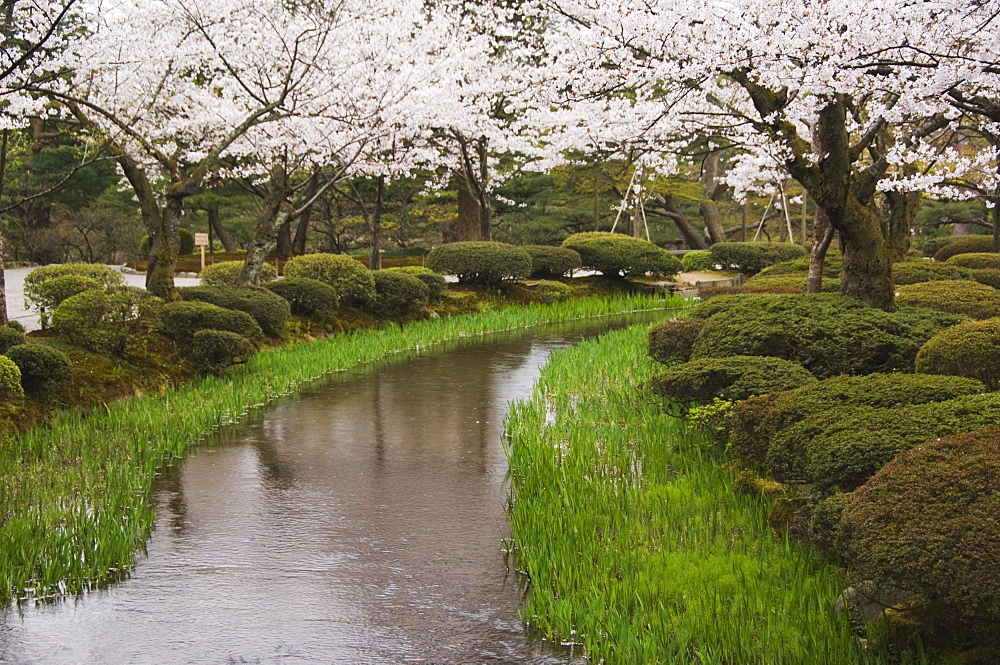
(375, 227)
(285, 240)
(901, 211)
(302, 225)
(468, 226)
(4, 138)
(164, 246)
(867, 273)
(273, 214)
(483, 191)
(215, 222)
(713, 191)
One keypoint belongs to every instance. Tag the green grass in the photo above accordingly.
(75, 494)
(633, 540)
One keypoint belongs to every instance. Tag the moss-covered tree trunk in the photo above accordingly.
(713, 192)
(867, 273)
(164, 245)
(375, 226)
(274, 211)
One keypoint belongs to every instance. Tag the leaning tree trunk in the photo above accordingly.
(713, 190)
(375, 227)
(822, 237)
(273, 213)
(692, 236)
(215, 221)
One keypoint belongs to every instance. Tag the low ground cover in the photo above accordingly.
(635, 543)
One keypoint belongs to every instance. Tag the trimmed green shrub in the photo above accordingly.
(46, 287)
(108, 321)
(971, 299)
(792, 283)
(548, 292)
(353, 282)
(215, 351)
(436, 283)
(824, 522)
(929, 246)
(840, 449)
(186, 246)
(825, 333)
(832, 266)
(750, 258)
(618, 255)
(987, 276)
(44, 370)
(10, 379)
(225, 273)
(731, 378)
(977, 260)
(181, 320)
(307, 297)
(755, 422)
(548, 262)
(966, 245)
(969, 349)
(10, 337)
(267, 308)
(697, 260)
(928, 522)
(479, 262)
(16, 325)
(670, 342)
(915, 272)
(399, 294)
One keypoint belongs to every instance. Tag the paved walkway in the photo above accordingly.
(14, 279)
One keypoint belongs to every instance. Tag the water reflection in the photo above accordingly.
(361, 523)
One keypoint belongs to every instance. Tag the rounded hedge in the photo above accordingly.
(548, 292)
(186, 243)
(731, 378)
(750, 258)
(107, 321)
(46, 287)
(215, 351)
(10, 379)
(399, 294)
(225, 273)
(825, 333)
(840, 449)
(915, 272)
(969, 349)
(618, 255)
(548, 262)
(966, 245)
(832, 265)
(671, 342)
(10, 337)
(697, 260)
(182, 319)
(267, 308)
(928, 522)
(929, 246)
(977, 260)
(971, 299)
(480, 262)
(754, 423)
(353, 282)
(436, 283)
(44, 370)
(306, 297)
(987, 276)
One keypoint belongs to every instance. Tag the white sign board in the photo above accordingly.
(201, 240)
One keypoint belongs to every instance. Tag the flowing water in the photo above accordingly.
(360, 523)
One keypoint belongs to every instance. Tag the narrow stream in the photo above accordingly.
(360, 523)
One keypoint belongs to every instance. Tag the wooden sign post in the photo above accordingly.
(201, 240)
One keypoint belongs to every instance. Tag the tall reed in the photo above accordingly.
(633, 541)
(75, 494)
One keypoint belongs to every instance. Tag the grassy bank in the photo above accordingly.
(632, 537)
(75, 493)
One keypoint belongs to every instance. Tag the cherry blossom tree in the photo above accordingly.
(813, 86)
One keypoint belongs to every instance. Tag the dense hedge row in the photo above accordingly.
(750, 258)
(730, 378)
(478, 262)
(965, 245)
(267, 308)
(619, 255)
(225, 273)
(353, 282)
(548, 262)
(971, 299)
